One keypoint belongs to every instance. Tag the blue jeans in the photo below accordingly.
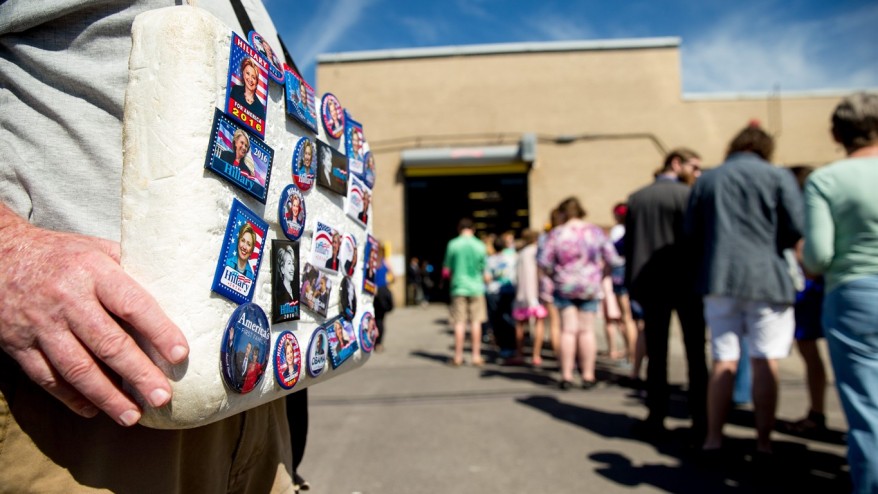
(850, 323)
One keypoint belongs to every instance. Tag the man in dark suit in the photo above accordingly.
(659, 276)
(242, 359)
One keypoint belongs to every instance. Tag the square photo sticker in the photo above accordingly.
(342, 340)
(316, 287)
(247, 86)
(284, 281)
(370, 266)
(300, 98)
(239, 157)
(354, 145)
(241, 254)
(332, 169)
(326, 247)
(359, 201)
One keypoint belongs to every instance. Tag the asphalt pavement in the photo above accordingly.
(408, 423)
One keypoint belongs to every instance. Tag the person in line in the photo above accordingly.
(744, 278)
(500, 295)
(808, 310)
(841, 243)
(414, 282)
(383, 297)
(245, 93)
(527, 307)
(465, 258)
(659, 276)
(297, 418)
(617, 277)
(575, 256)
(547, 288)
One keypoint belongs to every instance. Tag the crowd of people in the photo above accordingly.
(750, 256)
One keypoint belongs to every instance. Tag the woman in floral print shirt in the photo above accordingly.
(576, 255)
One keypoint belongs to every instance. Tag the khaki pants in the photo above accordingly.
(44, 448)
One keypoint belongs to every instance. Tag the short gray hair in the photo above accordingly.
(855, 121)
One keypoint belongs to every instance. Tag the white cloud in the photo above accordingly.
(754, 51)
(422, 31)
(557, 27)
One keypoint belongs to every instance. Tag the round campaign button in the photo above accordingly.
(304, 164)
(287, 360)
(348, 298)
(275, 68)
(245, 347)
(333, 115)
(368, 332)
(291, 212)
(317, 351)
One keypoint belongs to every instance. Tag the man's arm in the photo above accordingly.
(64, 298)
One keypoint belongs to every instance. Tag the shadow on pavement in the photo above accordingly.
(793, 466)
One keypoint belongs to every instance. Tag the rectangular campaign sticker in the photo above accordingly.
(239, 157)
(325, 247)
(247, 86)
(301, 100)
(342, 340)
(284, 281)
(370, 267)
(359, 201)
(332, 169)
(355, 145)
(316, 287)
(241, 254)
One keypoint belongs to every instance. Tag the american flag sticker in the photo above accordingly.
(300, 99)
(241, 254)
(239, 156)
(247, 89)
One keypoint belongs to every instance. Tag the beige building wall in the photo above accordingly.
(488, 99)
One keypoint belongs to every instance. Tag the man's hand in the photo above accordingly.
(60, 293)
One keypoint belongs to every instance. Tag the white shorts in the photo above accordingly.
(767, 328)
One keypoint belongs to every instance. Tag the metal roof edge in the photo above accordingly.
(500, 48)
(761, 95)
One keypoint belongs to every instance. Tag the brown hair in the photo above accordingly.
(571, 208)
(464, 224)
(528, 237)
(681, 154)
(753, 139)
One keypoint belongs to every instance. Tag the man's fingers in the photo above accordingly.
(37, 367)
(126, 299)
(77, 367)
(115, 348)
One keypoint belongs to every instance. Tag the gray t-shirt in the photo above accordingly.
(63, 74)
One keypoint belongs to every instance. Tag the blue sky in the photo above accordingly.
(743, 46)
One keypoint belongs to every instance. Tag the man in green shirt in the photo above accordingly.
(465, 260)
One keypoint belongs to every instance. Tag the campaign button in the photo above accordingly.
(245, 348)
(287, 360)
(317, 351)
